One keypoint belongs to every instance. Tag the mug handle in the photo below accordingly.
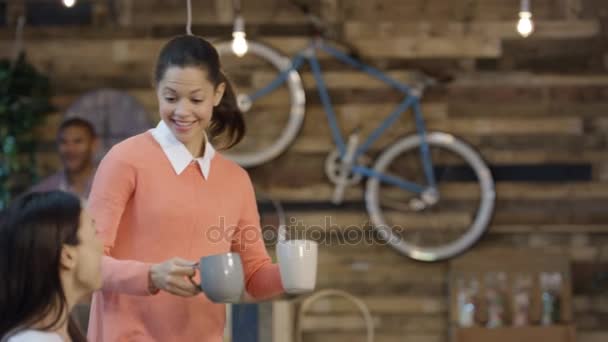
(198, 285)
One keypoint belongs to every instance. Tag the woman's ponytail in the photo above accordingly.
(227, 124)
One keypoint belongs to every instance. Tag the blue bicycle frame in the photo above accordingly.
(410, 101)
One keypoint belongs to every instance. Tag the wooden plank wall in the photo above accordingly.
(531, 102)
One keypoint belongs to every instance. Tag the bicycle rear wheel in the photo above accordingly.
(273, 114)
(428, 231)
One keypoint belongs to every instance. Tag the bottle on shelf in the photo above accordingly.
(522, 293)
(551, 286)
(496, 294)
(468, 289)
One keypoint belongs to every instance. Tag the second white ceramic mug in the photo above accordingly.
(298, 265)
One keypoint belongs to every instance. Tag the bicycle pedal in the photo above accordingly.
(338, 196)
(344, 169)
(417, 204)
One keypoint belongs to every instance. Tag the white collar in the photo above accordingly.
(178, 154)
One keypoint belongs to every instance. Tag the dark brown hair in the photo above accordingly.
(33, 231)
(77, 122)
(227, 124)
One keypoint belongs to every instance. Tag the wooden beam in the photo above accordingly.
(216, 11)
(352, 323)
(382, 305)
(224, 11)
(125, 12)
(550, 228)
(572, 9)
(567, 192)
(592, 336)
(380, 336)
(514, 79)
(331, 11)
(565, 333)
(557, 29)
(357, 223)
(421, 47)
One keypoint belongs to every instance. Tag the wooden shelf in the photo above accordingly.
(555, 333)
(480, 262)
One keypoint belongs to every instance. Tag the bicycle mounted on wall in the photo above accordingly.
(406, 200)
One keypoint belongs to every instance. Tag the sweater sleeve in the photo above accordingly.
(113, 186)
(262, 277)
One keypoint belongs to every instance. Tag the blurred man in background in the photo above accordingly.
(77, 143)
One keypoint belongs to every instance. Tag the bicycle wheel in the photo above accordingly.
(273, 112)
(444, 226)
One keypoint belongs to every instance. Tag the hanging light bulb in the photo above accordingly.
(239, 43)
(69, 3)
(525, 26)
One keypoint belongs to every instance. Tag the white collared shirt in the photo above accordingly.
(178, 154)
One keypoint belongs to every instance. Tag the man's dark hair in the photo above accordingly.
(78, 122)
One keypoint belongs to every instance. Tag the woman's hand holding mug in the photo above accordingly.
(172, 276)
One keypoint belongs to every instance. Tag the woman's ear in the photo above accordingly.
(68, 257)
(219, 93)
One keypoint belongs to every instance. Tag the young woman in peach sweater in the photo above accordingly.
(165, 198)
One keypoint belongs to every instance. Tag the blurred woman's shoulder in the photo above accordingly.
(31, 335)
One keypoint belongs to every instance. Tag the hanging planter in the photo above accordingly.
(24, 100)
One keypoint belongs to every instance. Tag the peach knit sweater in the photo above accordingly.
(147, 213)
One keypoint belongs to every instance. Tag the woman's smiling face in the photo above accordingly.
(186, 99)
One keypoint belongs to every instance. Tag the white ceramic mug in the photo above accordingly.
(298, 265)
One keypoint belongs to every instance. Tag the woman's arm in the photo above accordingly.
(262, 277)
(126, 276)
(112, 188)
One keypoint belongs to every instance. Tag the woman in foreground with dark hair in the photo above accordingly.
(50, 257)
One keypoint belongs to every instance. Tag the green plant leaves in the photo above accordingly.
(25, 96)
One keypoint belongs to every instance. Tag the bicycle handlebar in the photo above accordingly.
(316, 21)
(322, 30)
(303, 7)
